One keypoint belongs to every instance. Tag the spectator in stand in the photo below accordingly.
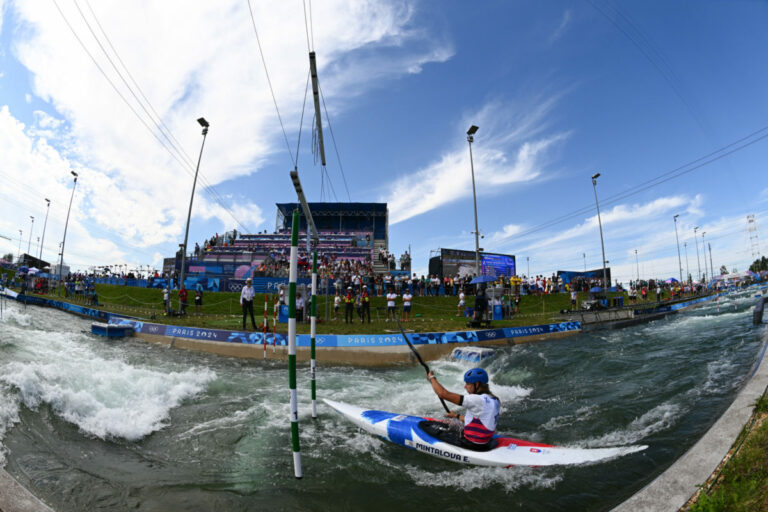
(246, 302)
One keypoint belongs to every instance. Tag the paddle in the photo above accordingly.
(418, 356)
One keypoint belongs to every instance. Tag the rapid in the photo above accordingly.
(91, 424)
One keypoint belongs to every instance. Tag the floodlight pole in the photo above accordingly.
(470, 139)
(687, 269)
(31, 228)
(698, 261)
(679, 260)
(45, 224)
(205, 126)
(637, 262)
(18, 256)
(66, 224)
(600, 223)
(704, 250)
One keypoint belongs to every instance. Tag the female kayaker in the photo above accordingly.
(482, 407)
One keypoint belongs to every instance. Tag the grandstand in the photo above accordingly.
(348, 232)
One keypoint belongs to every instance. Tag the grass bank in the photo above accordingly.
(222, 310)
(741, 483)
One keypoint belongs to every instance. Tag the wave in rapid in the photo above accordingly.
(9, 415)
(105, 398)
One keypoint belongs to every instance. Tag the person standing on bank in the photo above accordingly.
(349, 306)
(246, 302)
(482, 407)
(366, 298)
(407, 298)
(183, 300)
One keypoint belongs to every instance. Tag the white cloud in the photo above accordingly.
(511, 149)
(28, 98)
(190, 60)
(560, 30)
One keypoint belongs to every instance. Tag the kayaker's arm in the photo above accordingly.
(441, 392)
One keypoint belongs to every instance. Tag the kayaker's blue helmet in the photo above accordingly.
(476, 375)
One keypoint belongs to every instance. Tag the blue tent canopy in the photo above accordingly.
(483, 279)
(595, 289)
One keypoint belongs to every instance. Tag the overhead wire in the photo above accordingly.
(173, 154)
(269, 82)
(654, 56)
(153, 116)
(336, 149)
(658, 180)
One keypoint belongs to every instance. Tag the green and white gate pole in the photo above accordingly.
(313, 331)
(292, 344)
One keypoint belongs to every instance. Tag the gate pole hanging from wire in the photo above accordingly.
(313, 331)
(292, 344)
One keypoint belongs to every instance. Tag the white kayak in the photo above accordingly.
(424, 435)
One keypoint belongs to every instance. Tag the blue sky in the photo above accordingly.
(560, 90)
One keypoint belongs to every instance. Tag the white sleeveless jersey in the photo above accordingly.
(483, 407)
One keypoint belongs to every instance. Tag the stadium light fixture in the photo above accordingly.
(600, 223)
(205, 126)
(470, 139)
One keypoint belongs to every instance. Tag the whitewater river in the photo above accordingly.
(89, 424)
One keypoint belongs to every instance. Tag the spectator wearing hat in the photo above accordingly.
(366, 305)
(246, 302)
(349, 306)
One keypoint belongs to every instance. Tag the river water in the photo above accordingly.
(89, 424)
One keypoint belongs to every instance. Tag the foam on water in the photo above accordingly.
(657, 419)
(579, 415)
(106, 398)
(9, 415)
(471, 478)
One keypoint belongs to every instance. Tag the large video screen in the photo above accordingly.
(462, 263)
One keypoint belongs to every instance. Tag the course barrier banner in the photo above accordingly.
(261, 284)
(352, 340)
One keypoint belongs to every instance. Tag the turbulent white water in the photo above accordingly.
(168, 429)
(66, 370)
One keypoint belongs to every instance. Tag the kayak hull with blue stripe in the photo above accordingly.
(412, 432)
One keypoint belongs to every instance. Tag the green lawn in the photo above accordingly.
(743, 482)
(222, 310)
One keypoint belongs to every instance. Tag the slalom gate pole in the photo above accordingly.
(293, 274)
(313, 331)
(274, 322)
(266, 302)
